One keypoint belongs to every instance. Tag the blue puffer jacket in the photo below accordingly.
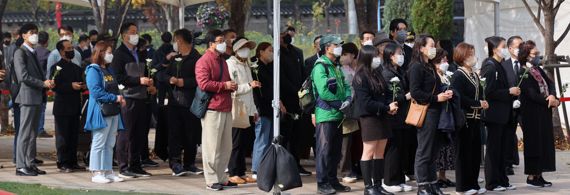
(97, 93)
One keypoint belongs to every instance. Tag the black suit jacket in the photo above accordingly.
(67, 101)
(309, 64)
(509, 69)
(497, 92)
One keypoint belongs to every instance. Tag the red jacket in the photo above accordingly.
(207, 76)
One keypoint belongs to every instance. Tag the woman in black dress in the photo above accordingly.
(398, 144)
(537, 101)
(424, 89)
(465, 81)
(500, 114)
(373, 107)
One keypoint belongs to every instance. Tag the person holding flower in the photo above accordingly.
(240, 72)
(538, 98)
(399, 145)
(466, 82)
(68, 79)
(373, 106)
(183, 126)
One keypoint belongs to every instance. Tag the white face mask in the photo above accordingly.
(376, 61)
(337, 51)
(432, 52)
(108, 58)
(65, 37)
(221, 47)
(243, 53)
(443, 67)
(505, 53)
(33, 39)
(516, 52)
(400, 60)
(410, 45)
(369, 42)
(175, 46)
(134, 39)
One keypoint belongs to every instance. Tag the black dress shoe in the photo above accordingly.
(436, 190)
(423, 190)
(25, 172)
(148, 163)
(38, 161)
(40, 172)
(510, 171)
(304, 172)
(546, 183)
(325, 189)
(77, 167)
(65, 169)
(340, 188)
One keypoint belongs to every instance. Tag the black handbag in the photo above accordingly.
(110, 109)
(202, 98)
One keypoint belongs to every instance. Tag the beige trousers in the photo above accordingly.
(216, 145)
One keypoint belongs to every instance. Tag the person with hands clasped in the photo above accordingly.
(373, 106)
(424, 89)
(538, 98)
(498, 117)
(467, 83)
(240, 72)
(333, 95)
(103, 114)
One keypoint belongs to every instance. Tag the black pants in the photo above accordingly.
(182, 124)
(329, 146)
(497, 140)
(237, 166)
(512, 156)
(346, 162)
(429, 143)
(66, 136)
(397, 157)
(136, 117)
(291, 139)
(467, 156)
(409, 150)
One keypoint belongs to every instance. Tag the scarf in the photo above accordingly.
(542, 85)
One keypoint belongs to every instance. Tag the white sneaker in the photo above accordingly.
(349, 179)
(500, 189)
(254, 176)
(406, 188)
(511, 187)
(392, 189)
(114, 178)
(480, 180)
(100, 179)
(470, 192)
(482, 191)
(407, 178)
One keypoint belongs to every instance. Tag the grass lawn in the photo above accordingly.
(32, 189)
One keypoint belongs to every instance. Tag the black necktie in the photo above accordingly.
(517, 68)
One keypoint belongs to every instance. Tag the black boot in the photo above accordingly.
(367, 169)
(423, 190)
(435, 190)
(378, 175)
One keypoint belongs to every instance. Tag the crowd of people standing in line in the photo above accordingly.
(364, 95)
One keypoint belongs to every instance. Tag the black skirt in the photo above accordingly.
(374, 128)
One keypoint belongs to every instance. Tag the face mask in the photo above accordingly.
(270, 57)
(411, 45)
(471, 62)
(337, 51)
(33, 39)
(287, 39)
(93, 43)
(443, 67)
(292, 40)
(431, 53)
(516, 52)
(376, 61)
(400, 60)
(369, 42)
(70, 54)
(175, 46)
(133, 39)
(535, 61)
(7, 42)
(401, 36)
(221, 47)
(505, 53)
(65, 37)
(243, 53)
(108, 58)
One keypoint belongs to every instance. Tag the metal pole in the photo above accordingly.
(379, 27)
(181, 14)
(559, 80)
(497, 17)
(276, 46)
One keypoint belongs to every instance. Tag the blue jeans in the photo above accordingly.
(103, 141)
(16, 108)
(263, 137)
(42, 119)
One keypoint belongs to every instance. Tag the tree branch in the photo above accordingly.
(559, 40)
(534, 18)
(558, 6)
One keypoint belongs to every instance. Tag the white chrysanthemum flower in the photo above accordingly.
(121, 87)
(178, 59)
(58, 68)
(395, 80)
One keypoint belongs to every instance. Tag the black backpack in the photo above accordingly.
(307, 100)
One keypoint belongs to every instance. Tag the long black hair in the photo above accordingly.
(365, 72)
(492, 43)
(389, 50)
(421, 41)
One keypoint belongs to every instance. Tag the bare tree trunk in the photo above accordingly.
(122, 9)
(35, 8)
(361, 15)
(371, 14)
(296, 11)
(100, 14)
(238, 12)
(3, 4)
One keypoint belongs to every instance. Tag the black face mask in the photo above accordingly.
(535, 61)
(70, 54)
(6, 42)
(287, 39)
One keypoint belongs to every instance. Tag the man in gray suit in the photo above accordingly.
(31, 95)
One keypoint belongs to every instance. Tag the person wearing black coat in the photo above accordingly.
(424, 89)
(499, 116)
(68, 79)
(538, 98)
(374, 107)
(466, 82)
(310, 61)
(401, 147)
(183, 125)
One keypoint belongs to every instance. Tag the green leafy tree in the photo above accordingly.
(396, 9)
(434, 17)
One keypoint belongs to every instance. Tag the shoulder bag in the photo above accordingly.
(202, 98)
